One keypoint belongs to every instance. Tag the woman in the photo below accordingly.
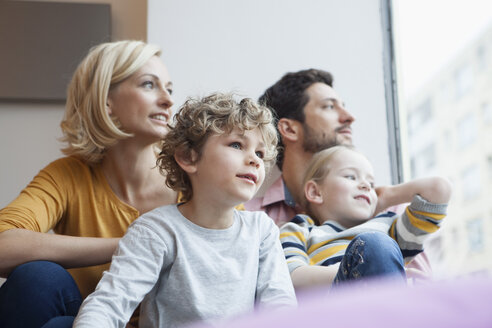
(118, 106)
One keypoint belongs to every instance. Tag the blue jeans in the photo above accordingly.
(371, 255)
(39, 294)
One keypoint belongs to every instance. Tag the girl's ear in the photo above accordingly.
(186, 160)
(289, 129)
(312, 193)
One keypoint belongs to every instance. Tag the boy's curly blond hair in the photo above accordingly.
(197, 119)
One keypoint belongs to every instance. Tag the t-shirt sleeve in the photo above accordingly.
(42, 203)
(274, 286)
(134, 271)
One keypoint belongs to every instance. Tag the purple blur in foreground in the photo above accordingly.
(451, 304)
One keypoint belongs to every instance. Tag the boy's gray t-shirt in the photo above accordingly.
(188, 273)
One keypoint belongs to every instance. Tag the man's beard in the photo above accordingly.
(315, 142)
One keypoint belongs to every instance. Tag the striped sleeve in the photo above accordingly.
(294, 236)
(414, 225)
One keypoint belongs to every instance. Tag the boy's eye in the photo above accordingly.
(235, 145)
(260, 154)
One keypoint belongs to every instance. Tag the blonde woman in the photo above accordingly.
(118, 106)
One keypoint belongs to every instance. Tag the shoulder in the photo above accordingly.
(300, 223)
(67, 164)
(161, 221)
(257, 218)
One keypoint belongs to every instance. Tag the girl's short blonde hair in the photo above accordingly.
(197, 119)
(87, 127)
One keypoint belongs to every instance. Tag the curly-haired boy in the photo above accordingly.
(201, 259)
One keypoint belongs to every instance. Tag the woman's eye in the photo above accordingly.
(260, 154)
(235, 145)
(148, 84)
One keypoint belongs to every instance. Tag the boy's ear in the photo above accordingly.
(313, 193)
(186, 160)
(289, 129)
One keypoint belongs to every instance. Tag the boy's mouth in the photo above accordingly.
(251, 177)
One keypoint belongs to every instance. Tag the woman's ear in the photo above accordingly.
(313, 193)
(109, 105)
(186, 160)
(288, 129)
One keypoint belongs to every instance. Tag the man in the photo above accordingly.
(311, 117)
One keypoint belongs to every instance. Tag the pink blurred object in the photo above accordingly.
(451, 304)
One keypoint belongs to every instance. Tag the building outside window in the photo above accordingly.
(445, 97)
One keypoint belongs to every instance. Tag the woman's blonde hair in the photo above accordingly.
(318, 169)
(197, 119)
(87, 127)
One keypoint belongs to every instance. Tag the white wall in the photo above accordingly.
(247, 45)
(29, 131)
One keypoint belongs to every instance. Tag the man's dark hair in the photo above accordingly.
(287, 97)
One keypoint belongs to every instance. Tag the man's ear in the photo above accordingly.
(289, 129)
(313, 193)
(187, 160)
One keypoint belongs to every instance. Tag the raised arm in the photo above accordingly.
(20, 246)
(436, 190)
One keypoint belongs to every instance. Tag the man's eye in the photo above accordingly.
(235, 145)
(260, 154)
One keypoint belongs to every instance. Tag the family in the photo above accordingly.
(156, 218)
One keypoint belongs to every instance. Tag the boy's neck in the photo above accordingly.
(207, 215)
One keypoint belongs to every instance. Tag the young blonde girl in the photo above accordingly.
(340, 240)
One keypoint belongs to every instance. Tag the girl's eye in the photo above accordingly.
(372, 185)
(170, 91)
(148, 84)
(235, 145)
(260, 154)
(350, 177)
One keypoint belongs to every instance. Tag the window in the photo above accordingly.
(451, 79)
(467, 130)
(424, 162)
(464, 81)
(471, 183)
(474, 231)
(489, 166)
(482, 57)
(420, 116)
(486, 113)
